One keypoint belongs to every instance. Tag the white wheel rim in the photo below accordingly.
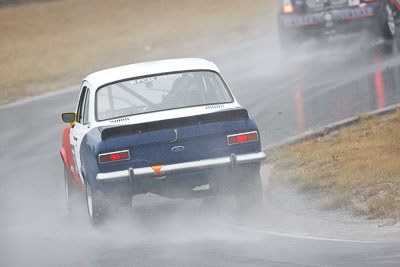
(89, 200)
(390, 20)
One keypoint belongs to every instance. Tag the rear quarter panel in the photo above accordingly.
(67, 158)
(91, 146)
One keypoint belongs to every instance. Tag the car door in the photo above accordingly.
(80, 128)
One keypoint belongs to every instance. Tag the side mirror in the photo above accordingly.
(68, 117)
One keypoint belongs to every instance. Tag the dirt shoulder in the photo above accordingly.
(291, 212)
(288, 212)
(49, 45)
(356, 168)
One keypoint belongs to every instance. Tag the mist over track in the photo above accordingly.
(287, 94)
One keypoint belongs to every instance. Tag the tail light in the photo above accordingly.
(287, 7)
(114, 156)
(242, 138)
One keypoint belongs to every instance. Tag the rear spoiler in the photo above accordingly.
(230, 115)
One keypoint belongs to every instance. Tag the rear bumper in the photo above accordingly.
(132, 174)
(332, 19)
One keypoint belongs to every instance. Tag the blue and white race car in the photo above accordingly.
(169, 127)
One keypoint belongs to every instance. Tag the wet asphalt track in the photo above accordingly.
(287, 95)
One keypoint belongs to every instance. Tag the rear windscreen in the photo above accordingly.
(160, 92)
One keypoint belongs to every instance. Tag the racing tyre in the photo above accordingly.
(388, 26)
(285, 40)
(72, 195)
(288, 39)
(98, 211)
(249, 193)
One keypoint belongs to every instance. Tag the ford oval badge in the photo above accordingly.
(177, 149)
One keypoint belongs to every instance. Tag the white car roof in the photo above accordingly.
(107, 76)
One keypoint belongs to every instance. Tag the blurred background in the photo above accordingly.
(46, 45)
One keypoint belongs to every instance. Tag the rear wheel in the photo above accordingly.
(72, 196)
(289, 39)
(249, 193)
(98, 211)
(388, 26)
(285, 40)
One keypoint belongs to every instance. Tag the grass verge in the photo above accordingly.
(357, 168)
(48, 45)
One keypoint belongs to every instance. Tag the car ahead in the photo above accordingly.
(302, 19)
(169, 127)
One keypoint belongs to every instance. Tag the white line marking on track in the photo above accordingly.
(266, 232)
(42, 96)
